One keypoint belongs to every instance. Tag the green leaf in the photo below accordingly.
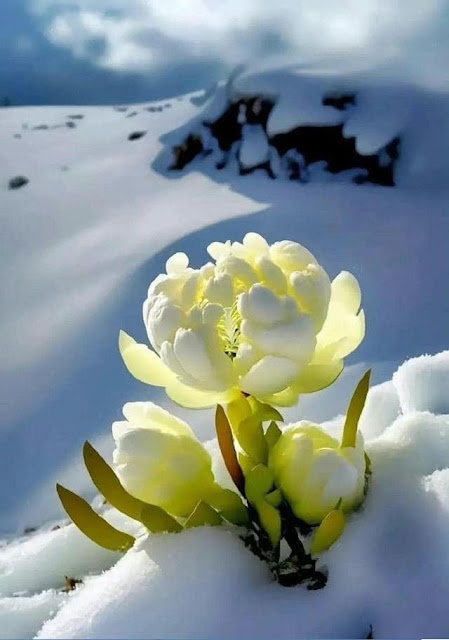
(355, 411)
(152, 517)
(203, 515)
(230, 506)
(258, 483)
(329, 531)
(226, 444)
(274, 498)
(272, 435)
(252, 438)
(91, 524)
(264, 411)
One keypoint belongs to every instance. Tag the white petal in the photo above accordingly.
(346, 291)
(220, 289)
(318, 376)
(291, 256)
(270, 375)
(294, 339)
(256, 244)
(177, 263)
(147, 415)
(261, 305)
(271, 275)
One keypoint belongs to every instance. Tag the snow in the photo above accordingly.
(80, 244)
(255, 147)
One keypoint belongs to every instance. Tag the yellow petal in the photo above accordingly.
(142, 363)
(195, 399)
(318, 376)
(346, 291)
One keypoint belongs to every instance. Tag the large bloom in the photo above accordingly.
(159, 460)
(265, 320)
(314, 472)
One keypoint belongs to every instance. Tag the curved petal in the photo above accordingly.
(268, 376)
(194, 399)
(346, 291)
(316, 377)
(142, 363)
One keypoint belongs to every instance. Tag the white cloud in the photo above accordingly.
(143, 35)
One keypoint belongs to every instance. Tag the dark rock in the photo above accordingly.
(339, 100)
(77, 116)
(121, 109)
(29, 530)
(186, 152)
(310, 144)
(41, 127)
(167, 105)
(132, 114)
(17, 182)
(17, 135)
(70, 124)
(135, 135)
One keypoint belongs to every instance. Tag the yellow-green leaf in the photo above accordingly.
(355, 411)
(91, 524)
(152, 517)
(203, 515)
(226, 444)
(274, 498)
(272, 435)
(230, 506)
(258, 483)
(264, 411)
(270, 520)
(252, 438)
(328, 532)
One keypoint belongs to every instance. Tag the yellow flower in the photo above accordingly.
(159, 460)
(314, 472)
(265, 320)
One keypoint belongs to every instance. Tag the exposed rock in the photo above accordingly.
(17, 182)
(70, 124)
(121, 109)
(77, 116)
(295, 150)
(187, 151)
(132, 114)
(136, 135)
(41, 127)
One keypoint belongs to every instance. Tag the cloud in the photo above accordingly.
(150, 35)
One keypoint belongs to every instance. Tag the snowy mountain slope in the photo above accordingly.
(83, 239)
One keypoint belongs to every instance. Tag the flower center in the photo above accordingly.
(229, 330)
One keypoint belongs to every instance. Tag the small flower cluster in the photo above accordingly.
(248, 332)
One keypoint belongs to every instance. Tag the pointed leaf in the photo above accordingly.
(152, 517)
(355, 411)
(258, 483)
(270, 520)
(203, 515)
(328, 532)
(226, 444)
(91, 524)
(272, 435)
(274, 498)
(230, 506)
(252, 438)
(264, 411)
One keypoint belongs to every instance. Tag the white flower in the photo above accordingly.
(265, 320)
(314, 472)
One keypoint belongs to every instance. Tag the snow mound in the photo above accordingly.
(423, 384)
(204, 583)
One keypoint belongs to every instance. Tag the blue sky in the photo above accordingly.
(111, 51)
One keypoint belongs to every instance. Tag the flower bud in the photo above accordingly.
(314, 472)
(159, 460)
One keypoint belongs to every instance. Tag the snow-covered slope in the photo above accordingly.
(101, 213)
